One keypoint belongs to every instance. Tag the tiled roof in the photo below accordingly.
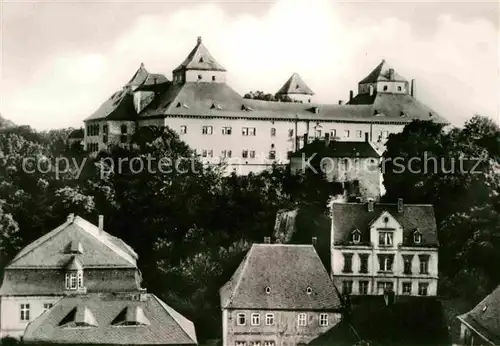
(295, 85)
(485, 317)
(381, 73)
(120, 106)
(200, 59)
(350, 216)
(158, 323)
(288, 271)
(410, 321)
(339, 149)
(139, 76)
(100, 249)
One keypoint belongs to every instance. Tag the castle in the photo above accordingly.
(249, 134)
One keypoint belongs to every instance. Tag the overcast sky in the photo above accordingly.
(61, 60)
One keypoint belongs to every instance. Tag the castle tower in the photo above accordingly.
(296, 89)
(200, 66)
(383, 79)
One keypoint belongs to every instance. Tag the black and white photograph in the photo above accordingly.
(249, 173)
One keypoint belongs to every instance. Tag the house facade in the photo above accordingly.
(250, 135)
(378, 247)
(481, 325)
(68, 271)
(279, 295)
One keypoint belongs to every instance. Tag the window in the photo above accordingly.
(248, 131)
(359, 133)
(252, 154)
(272, 145)
(255, 320)
(385, 87)
(290, 133)
(417, 238)
(407, 259)
(204, 153)
(213, 78)
(309, 290)
(105, 132)
(347, 287)
(318, 133)
(407, 288)
(363, 287)
(302, 319)
(347, 263)
(47, 306)
(422, 289)
(269, 319)
(226, 130)
(356, 237)
(71, 281)
(273, 131)
(385, 262)
(385, 239)
(424, 264)
(200, 77)
(25, 312)
(241, 319)
(244, 154)
(241, 343)
(347, 133)
(333, 133)
(399, 88)
(80, 279)
(268, 289)
(323, 320)
(123, 136)
(207, 130)
(226, 154)
(183, 129)
(254, 343)
(269, 343)
(384, 286)
(363, 263)
(272, 155)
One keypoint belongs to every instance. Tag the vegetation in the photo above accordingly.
(260, 95)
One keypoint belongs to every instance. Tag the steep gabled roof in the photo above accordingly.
(139, 76)
(287, 271)
(381, 73)
(295, 85)
(485, 317)
(160, 324)
(200, 59)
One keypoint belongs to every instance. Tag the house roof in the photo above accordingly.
(381, 73)
(339, 149)
(410, 321)
(350, 216)
(288, 271)
(200, 59)
(139, 76)
(76, 134)
(158, 324)
(100, 249)
(295, 85)
(485, 317)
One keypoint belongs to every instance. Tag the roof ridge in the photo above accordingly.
(104, 239)
(175, 317)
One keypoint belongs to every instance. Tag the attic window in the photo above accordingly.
(386, 219)
(268, 290)
(485, 308)
(79, 317)
(201, 59)
(417, 237)
(385, 87)
(246, 108)
(75, 247)
(402, 114)
(430, 115)
(356, 236)
(309, 290)
(297, 86)
(131, 316)
(216, 106)
(200, 77)
(399, 88)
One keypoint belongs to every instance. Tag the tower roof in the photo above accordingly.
(295, 85)
(139, 77)
(382, 73)
(200, 59)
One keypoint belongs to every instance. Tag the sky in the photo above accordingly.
(61, 59)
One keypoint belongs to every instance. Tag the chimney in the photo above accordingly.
(413, 90)
(391, 74)
(71, 217)
(400, 205)
(198, 40)
(341, 102)
(371, 90)
(101, 223)
(389, 297)
(267, 240)
(370, 205)
(351, 95)
(314, 241)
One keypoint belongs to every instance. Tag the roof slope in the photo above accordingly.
(485, 317)
(200, 59)
(288, 270)
(120, 106)
(350, 216)
(381, 73)
(139, 76)
(410, 321)
(295, 85)
(100, 249)
(164, 325)
(339, 149)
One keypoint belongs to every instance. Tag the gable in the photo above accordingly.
(385, 221)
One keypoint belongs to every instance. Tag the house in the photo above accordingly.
(387, 321)
(481, 325)
(384, 246)
(279, 295)
(63, 286)
(251, 135)
(354, 164)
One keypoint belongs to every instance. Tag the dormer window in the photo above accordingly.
(385, 87)
(73, 279)
(417, 237)
(268, 290)
(132, 316)
(79, 317)
(356, 236)
(309, 290)
(75, 247)
(201, 59)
